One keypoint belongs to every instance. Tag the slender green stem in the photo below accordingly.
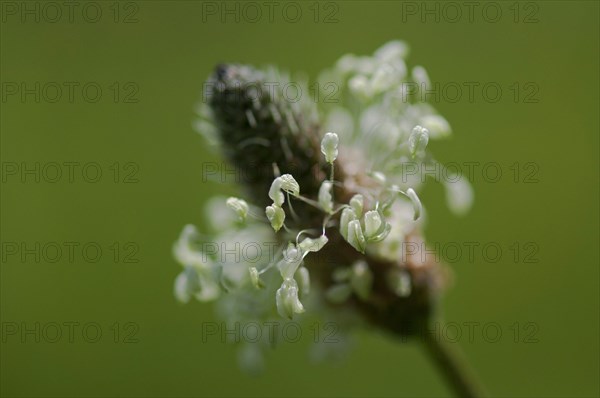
(451, 364)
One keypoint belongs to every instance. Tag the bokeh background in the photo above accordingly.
(165, 50)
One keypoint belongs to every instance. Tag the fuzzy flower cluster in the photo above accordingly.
(386, 126)
(375, 129)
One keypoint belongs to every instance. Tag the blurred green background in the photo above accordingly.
(166, 52)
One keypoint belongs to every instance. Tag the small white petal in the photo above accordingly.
(359, 85)
(239, 206)
(417, 141)
(366, 65)
(383, 78)
(438, 126)
(392, 50)
(289, 184)
(459, 194)
(373, 223)
(342, 274)
(379, 177)
(329, 147)
(417, 207)
(400, 282)
(357, 204)
(287, 300)
(419, 75)
(383, 234)
(285, 183)
(251, 359)
(276, 216)
(219, 215)
(180, 288)
(184, 252)
(346, 64)
(325, 199)
(282, 308)
(362, 279)
(209, 289)
(338, 293)
(255, 278)
(303, 281)
(292, 258)
(313, 245)
(355, 236)
(348, 215)
(275, 192)
(190, 283)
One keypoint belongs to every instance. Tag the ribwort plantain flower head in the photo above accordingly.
(327, 187)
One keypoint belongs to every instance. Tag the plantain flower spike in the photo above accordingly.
(336, 214)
